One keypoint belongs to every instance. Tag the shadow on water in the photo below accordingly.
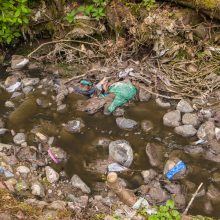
(81, 148)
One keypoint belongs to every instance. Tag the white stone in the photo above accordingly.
(51, 174)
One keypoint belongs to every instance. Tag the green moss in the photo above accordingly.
(209, 4)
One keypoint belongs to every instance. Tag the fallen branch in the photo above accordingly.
(192, 199)
(59, 41)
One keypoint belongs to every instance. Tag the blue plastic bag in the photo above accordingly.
(176, 169)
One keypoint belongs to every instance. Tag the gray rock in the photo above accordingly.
(216, 177)
(57, 205)
(19, 62)
(5, 147)
(194, 150)
(3, 131)
(62, 108)
(213, 193)
(206, 131)
(23, 170)
(147, 126)
(180, 201)
(30, 81)
(19, 138)
(9, 104)
(184, 106)
(26, 90)
(38, 189)
(51, 174)
(173, 188)
(61, 96)
(120, 151)
(75, 126)
(144, 95)
(190, 119)
(17, 95)
(170, 164)
(185, 130)
(43, 103)
(126, 124)
(156, 194)
(172, 118)
(210, 155)
(162, 104)
(148, 175)
(41, 137)
(119, 112)
(79, 184)
(155, 153)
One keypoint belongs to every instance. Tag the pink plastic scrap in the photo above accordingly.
(53, 157)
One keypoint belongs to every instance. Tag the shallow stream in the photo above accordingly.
(82, 147)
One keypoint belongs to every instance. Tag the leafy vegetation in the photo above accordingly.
(14, 15)
(95, 10)
(166, 211)
(148, 3)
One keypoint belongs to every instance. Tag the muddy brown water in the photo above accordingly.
(82, 149)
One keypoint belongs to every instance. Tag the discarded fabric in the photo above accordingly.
(124, 92)
(6, 172)
(176, 169)
(13, 87)
(143, 203)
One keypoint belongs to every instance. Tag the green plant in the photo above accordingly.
(95, 10)
(166, 212)
(14, 15)
(148, 3)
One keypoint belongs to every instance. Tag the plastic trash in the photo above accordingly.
(143, 203)
(6, 172)
(123, 93)
(85, 82)
(13, 87)
(53, 157)
(176, 169)
(125, 72)
(115, 167)
(217, 133)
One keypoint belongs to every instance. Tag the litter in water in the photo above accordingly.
(176, 169)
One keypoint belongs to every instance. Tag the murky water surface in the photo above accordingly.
(82, 147)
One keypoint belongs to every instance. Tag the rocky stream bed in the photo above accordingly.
(146, 136)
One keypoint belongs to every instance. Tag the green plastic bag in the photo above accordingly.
(123, 93)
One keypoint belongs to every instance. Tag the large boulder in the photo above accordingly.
(172, 118)
(120, 151)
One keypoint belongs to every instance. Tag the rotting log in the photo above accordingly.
(208, 7)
